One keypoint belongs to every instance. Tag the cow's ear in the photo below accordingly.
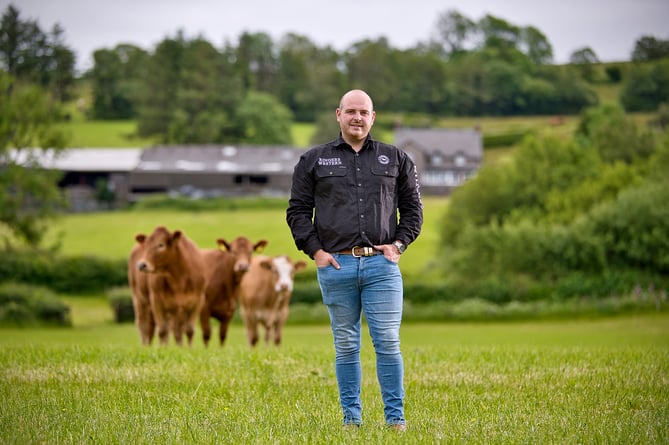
(260, 246)
(300, 265)
(140, 238)
(176, 235)
(266, 264)
(223, 244)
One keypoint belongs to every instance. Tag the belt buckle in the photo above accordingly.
(366, 251)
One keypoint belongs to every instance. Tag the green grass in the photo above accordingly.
(601, 381)
(111, 234)
(105, 134)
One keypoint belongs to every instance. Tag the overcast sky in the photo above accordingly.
(609, 27)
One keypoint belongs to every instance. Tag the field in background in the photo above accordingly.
(111, 234)
(601, 381)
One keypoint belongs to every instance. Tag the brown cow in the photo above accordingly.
(224, 268)
(176, 281)
(139, 287)
(264, 295)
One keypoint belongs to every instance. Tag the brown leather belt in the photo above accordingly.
(361, 251)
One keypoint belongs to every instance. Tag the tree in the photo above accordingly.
(29, 194)
(157, 101)
(649, 48)
(308, 79)
(499, 34)
(536, 45)
(27, 53)
(117, 78)
(616, 136)
(371, 67)
(455, 31)
(257, 61)
(646, 87)
(265, 120)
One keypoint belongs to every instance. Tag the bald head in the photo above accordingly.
(357, 96)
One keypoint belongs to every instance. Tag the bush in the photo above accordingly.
(503, 140)
(74, 274)
(120, 300)
(25, 305)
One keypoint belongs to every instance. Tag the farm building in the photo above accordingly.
(445, 159)
(213, 170)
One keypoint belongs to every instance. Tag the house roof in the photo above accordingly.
(220, 158)
(87, 159)
(447, 141)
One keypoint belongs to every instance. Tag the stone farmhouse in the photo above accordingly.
(445, 158)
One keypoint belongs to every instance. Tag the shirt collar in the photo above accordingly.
(341, 142)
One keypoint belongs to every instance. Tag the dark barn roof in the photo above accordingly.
(215, 170)
(219, 158)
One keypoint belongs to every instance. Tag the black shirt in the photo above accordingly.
(340, 199)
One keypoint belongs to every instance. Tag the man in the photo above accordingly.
(343, 213)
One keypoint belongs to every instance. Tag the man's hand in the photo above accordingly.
(323, 259)
(389, 251)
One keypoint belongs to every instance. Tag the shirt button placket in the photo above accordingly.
(361, 200)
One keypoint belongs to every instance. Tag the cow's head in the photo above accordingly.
(283, 270)
(242, 250)
(158, 249)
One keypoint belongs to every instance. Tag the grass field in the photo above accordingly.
(111, 234)
(603, 381)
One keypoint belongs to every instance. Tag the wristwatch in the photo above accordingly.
(400, 246)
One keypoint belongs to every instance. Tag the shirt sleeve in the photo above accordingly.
(300, 212)
(409, 203)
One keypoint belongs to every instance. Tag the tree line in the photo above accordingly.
(586, 216)
(186, 90)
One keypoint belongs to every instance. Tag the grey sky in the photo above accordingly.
(609, 27)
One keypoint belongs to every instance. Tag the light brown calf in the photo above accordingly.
(176, 282)
(264, 294)
(139, 287)
(224, 269)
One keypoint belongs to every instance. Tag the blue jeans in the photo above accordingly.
(373, 286)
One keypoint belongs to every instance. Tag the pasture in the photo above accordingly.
(600, 381)
(111, 234)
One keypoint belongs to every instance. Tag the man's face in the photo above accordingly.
(355, 116)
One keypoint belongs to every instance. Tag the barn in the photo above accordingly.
(214, 170)
(445, 158)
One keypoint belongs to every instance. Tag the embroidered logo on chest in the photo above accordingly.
(329, 161)
(383, 160)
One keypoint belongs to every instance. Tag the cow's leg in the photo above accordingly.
(177, 329)
(223, 329)
(163, 327)
(190, 324)
(268, 331)
(251, 325)
(278, 329)
(205, 324)
(146, 323)
(190, 332)
(163, 333)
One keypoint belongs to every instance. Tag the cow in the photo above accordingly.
(264, 295)
(176, 282)
(224, 268)
(139, 288)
